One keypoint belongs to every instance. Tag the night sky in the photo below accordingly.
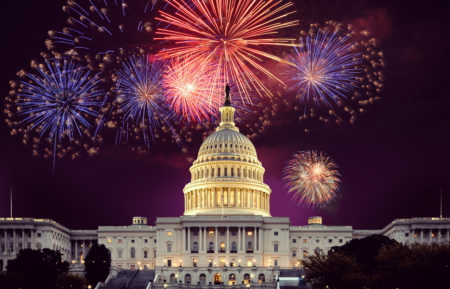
(393, 161)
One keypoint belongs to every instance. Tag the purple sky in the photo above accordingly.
(393, 161)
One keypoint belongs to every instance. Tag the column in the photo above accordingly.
(183, 240)
(227, 247)
(14, 241)
(32, 239)
(200, 239)
(189, 239)
(256, 239)
(216, 246)
(239, 240)
(5, 235)
(260, 240)
(84, 250)
(204, 239)
(421, 236)
(76, 251)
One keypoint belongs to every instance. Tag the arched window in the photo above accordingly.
(173, 279)
(249, 246)
(239, 172)
(261, 278)
(275, 247)
(232, 172)
(202, 279)
(246, 278)
(233, 247)
(132, 253)
(195, 247)
(212, 172)
(231, 279)
(218, 172)
(225, 172)
(187, 279)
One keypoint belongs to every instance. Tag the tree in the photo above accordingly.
(70, 282)
(97, 264)
(33, 268)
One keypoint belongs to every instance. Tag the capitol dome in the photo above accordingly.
(227, 177)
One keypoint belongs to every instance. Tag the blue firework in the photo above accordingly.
(327, 68)
(140, 99)
(58, 103)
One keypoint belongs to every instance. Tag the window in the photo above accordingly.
(222, 233)
(249, 233)
(154, 253)
(109, 240)
(132, 267)
(194, 262)
(119, 254)
(195, 247)
(340, 240)
(119, 241)
(145, 254)
(294, 253)
(233, 233)
(211, 246)
(132, 253)
(275, 262)
(195, 233)
(233, 246)
(275, 247)
(305, 241)
(317, 240)
(169, 247)
(406, 234)
(275, 233)
(249, 246)
(145, 241)
(294, 240)
(169, 263)
(169, 233)
(154, 241)
(211, 233)
(305, 253)
(132, 241)
(39, 235)
(330, 240)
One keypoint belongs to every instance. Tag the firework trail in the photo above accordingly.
(312, 178)
(229, 35)
(100, 31)
(58, 103)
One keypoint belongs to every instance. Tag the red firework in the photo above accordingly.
(190, 91)
(229, 35)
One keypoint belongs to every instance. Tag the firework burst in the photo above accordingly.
(336, 72)
(189, 90)
(312, 178)
(139, 112)
(228, 35)
(57, 105)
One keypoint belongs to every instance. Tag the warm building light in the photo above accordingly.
(169, 233)
(109, 241)
(249, 233)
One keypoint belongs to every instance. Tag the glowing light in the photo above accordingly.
(312, 178)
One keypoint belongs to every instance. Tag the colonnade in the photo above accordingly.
(227, 197)
(188, 238)
(17, 241)
(430, 235)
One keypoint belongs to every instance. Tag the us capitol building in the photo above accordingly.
(226, 234)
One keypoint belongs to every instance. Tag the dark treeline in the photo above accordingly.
(378, 262)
